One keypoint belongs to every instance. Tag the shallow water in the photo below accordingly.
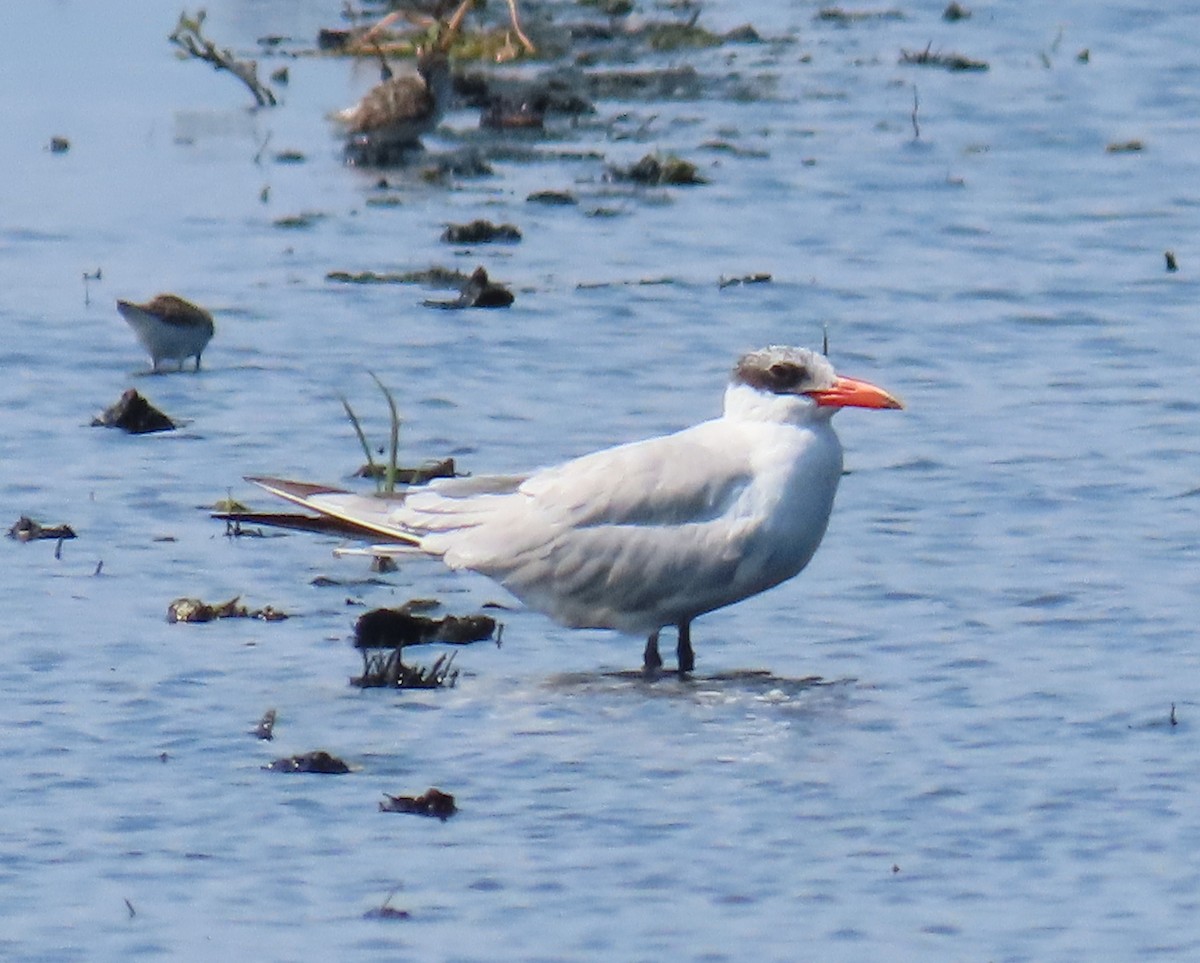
(1001, 617)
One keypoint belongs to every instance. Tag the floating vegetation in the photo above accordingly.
(188, 36)
(134, 414)
(386, 912)
(515, 112)
(299, 222)
(318, 761)
(1172, 264)
(953, 61)
(610, 8)
(290, 157)
(399, 627)
(387, 671)
(457, 164)
(480, 291)
(434, 277)
(59, 145)
(480, 232)
(411, 476)
(552, 198)
(432, 802)
(266, 726)
(760, 278)
(194, 610)
(25, 529)
(654, 171)
(667, 35)
(655, 84)
(955, 12)
(845, 17)
(639, 282)
(1125, 147)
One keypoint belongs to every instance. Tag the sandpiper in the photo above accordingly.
(169, 328)
(393, 115)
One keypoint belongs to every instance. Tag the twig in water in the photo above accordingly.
(916, 107)
(86, 292)
(262, 149)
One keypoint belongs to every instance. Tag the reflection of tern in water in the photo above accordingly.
(649, 534)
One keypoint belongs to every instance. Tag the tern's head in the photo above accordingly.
(788, 384)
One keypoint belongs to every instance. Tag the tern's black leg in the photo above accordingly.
(687, 658)
(651, 660)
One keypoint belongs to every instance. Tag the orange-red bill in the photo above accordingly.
(853, 393)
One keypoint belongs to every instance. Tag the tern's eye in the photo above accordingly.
(786, 375)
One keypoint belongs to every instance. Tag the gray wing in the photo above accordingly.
(613, 539)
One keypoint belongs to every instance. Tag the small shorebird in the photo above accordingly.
(169, 328)
(393, 115)
(644, 535)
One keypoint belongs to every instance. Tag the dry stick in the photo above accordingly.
(916, 105)
(188, 37)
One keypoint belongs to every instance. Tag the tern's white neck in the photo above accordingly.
(742, 402)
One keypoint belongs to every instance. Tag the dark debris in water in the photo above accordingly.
(386, 670)
(952, 61)
(59, 145)
(480, 291)
(480, 232)
(412, 476)
(194, 610)
(654, 171)
(266, 726)
(432, 802)
(760, 278)
(382, 635)
(400, 627)
(552, 198)
(134, 414)
(299, 222)
(1125, 147)
(318, 761)
(386, 911)
(844, 17)
(434, 277)
(25, 529)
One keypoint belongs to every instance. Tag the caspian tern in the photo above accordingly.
(648, 534)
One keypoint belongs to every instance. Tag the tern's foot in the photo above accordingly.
(687, 658)
(651, 660)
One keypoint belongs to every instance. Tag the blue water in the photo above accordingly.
(1002, 615)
